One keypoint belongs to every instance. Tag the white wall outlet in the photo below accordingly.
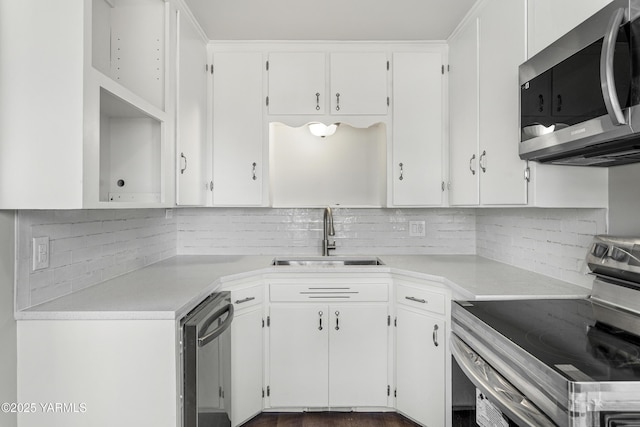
(417, 228)
(168, 213)
(40, 254)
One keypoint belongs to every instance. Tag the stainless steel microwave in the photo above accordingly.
(580, 96)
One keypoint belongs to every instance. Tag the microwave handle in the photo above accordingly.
(607, 80)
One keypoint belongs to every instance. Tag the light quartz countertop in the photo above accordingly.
(170, 288)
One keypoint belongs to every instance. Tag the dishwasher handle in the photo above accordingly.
(205, 338)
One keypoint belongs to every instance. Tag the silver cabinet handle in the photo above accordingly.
(317, 100)
(473, 171)
(247, 299)
(253, 171)
(337, 321)
(320, 320)
(416, 300)
(481, 161)
(607, 79)
(435, 335)
(337, 102)
(182, 156)
(401, 171)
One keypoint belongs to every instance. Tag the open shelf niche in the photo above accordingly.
(129, 45)
(130, 152)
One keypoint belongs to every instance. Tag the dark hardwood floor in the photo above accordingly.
(330, 419)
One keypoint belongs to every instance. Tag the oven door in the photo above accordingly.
(206, 358)
(488, 399)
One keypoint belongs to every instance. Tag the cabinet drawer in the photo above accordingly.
(243, 298)
(420, 298)
(329, 292)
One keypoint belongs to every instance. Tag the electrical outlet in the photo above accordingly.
(416, 228)
(168, 213)
(40, 254)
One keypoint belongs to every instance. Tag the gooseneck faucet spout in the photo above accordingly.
(328, 231)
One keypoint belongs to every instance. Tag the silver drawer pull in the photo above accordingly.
(247, 299)
(416, 300)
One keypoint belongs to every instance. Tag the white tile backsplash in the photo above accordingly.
(552, 242)
(90, 246)
(259, 231)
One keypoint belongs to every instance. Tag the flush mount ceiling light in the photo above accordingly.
(322, 130)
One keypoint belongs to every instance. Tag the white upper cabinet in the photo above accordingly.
(485, 167)
(92, 130)
(463, 116)
(297, 83)
(502, 173)
(191, 114)
(237, 129)
(484, 161)
(359, 83)
(551, 19)
(417, 129)
(301, 83)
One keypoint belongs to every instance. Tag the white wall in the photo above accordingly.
(8, 362)
(624, 200)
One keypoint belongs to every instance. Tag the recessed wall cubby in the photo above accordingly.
(130, 152)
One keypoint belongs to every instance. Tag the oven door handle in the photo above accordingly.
(499, 390)
(607, 80)
(203, 337)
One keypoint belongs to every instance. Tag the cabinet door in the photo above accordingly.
(246, 364)
(420, 367)
(417, 129)
(237, 129)
(463, 100)
(550, 19)
(501, 170)
(298, 372)
(191, 119)
(358, 355)
(359, 83)
(297, 83)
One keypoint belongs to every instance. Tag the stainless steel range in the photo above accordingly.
(573, 363)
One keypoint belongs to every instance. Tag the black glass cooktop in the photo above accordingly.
(565, 335)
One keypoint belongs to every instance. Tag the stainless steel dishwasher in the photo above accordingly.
(206, 363)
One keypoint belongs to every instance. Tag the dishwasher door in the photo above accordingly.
(206, 363)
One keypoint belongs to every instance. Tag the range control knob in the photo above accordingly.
(618, 254)
(599, 250)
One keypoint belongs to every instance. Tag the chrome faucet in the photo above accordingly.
(328, 231)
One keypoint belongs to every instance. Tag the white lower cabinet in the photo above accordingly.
(298, 357)
(420, 367)
(328, 355)
(420, 357)
(358, 355)
(247, 354)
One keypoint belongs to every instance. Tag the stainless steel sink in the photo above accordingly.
(327, 261)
